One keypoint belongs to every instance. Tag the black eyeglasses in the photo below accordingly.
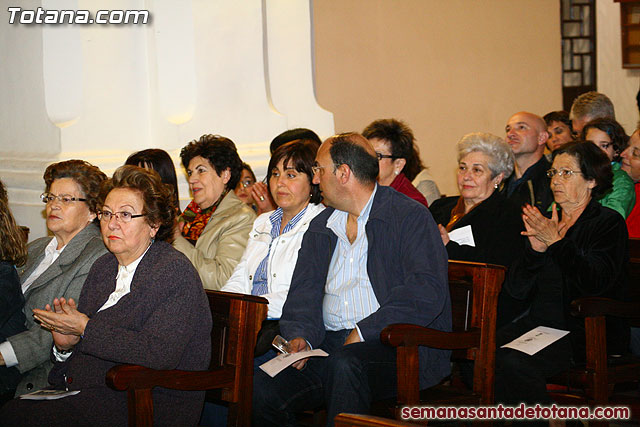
(381, 156)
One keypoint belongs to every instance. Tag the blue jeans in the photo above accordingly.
(348, 380)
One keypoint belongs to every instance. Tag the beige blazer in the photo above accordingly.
(222, 242)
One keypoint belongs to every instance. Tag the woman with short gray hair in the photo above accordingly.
(481, 225)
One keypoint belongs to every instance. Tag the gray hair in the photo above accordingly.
(499, 152)
(593, 105)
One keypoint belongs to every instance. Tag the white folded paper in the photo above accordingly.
(463, 236)
(276, 365)
(536, 339)
(48, 394)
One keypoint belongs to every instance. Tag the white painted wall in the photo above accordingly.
(242, 69)
(617, 83)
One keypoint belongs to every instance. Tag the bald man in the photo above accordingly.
(527, 135)
(374, 257)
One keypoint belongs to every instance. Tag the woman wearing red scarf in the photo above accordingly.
(214, 228)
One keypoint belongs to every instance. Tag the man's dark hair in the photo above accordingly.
(292, 135)
(345, 151)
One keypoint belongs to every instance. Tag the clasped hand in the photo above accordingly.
(542, 231)
(64, 321)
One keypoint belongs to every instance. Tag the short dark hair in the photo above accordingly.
(86, 175)
(301, 155)
(220, 151)
(160, 161)
(157, 197)
(613, 129)
(594, 164)
(558, 116)
(345, 151)
(292, 135)
(245, 166)
(401, 140)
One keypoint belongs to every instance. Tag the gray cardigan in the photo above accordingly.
(64, 278)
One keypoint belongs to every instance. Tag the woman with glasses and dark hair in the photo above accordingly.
(142, 304)
(56, 266)
(214, 228)
(246, 183)
(398, 157)
(159, 161)
(611, 138)
(578, 250)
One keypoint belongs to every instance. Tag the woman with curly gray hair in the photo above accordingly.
(481, 225)
(142, 304)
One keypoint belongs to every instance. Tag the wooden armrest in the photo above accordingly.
(234, 296)
(595, 307)
(402, 334)
(352, 420)
(126, 377)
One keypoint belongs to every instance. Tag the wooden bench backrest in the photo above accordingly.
(474, 289)
(233, 335)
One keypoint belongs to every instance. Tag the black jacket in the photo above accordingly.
(11, 302)
(496, 224)
(591, 260)
(532, 187)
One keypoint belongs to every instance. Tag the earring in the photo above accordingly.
(495, 185)
(397, 172)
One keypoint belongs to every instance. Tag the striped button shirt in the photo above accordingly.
(349, 296)
(260, 279)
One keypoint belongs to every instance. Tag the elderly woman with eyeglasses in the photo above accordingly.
(141, 304)
(579, 250)
(56, 266)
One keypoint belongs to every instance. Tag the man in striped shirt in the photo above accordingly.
(373, 258)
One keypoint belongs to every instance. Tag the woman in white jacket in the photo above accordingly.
(268, 261)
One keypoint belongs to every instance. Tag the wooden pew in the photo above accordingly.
(236, 321)
(595, 382)
(474, 289)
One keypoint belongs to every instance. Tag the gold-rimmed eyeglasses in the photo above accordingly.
(564, 173)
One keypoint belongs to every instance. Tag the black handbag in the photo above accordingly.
(268, 331)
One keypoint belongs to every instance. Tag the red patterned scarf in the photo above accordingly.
(196, 219)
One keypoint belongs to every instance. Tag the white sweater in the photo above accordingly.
(282, 259)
